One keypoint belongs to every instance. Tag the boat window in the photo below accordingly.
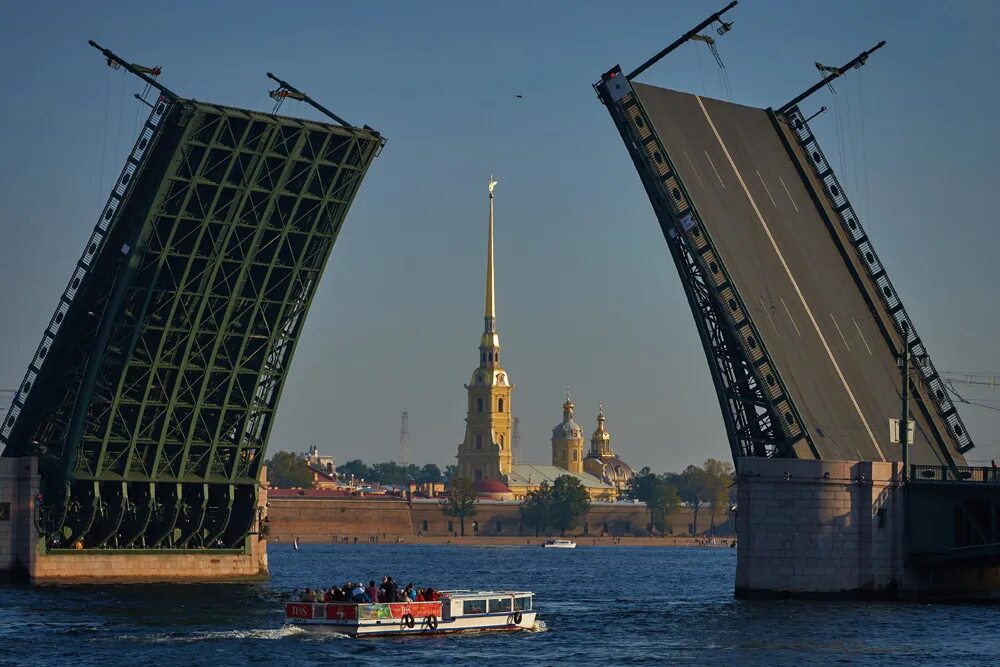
(474, 607)
(499, 604)
(521, 604)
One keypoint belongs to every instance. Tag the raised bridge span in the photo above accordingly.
(151, 396)
(800, 323)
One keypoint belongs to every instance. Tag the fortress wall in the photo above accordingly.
(320, 519)
(326, 519)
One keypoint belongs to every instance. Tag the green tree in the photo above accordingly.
(450, 473)
(429, 474)
(718, 478)
(642, 487)
(536, 510)
(460, 501)
(287, 470)
(356, 469)
(569, 503)
(693, 490)
(662, 502)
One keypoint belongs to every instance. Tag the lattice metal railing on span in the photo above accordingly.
(878, 275)
(109, 215)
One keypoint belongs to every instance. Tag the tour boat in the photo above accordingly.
(456, 611)
(559, 544)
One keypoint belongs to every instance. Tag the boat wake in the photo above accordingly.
(226, 635)
(539, 626)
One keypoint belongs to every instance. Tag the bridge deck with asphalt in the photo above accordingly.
(831, 339)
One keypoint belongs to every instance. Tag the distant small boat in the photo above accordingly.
(559, 544)
(295, 543)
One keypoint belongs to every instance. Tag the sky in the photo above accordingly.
(587, 295)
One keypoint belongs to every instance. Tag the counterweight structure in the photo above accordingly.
(800, 324)
(152, 394)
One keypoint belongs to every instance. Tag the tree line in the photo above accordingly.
(708, 485)
(560, 506)
(291, 470)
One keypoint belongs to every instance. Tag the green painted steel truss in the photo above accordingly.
(151, 397)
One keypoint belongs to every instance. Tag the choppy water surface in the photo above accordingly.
(606, 606)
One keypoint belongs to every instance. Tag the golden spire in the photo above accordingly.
(491, 309)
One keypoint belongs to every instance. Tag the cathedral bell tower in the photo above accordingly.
(567, 441)
(486, 452)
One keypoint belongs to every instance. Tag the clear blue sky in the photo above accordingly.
(587, 294)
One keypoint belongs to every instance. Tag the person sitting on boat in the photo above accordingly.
(419, 596)
(308, 595)
(410, 593)
(431, 595)
(358, 594)
(372, 592)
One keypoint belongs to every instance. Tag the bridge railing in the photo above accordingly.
(873, 266)
(962, 474)
(109, 216)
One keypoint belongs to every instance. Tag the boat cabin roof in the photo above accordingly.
(459, 594)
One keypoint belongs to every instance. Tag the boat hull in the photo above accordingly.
(366, 620)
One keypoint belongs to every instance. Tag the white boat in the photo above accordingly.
(559, 544)
(456, 611)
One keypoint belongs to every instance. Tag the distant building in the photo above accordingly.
(324, 469)
(485, 456)
(602, 462)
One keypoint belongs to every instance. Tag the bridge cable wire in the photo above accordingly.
(962, 399)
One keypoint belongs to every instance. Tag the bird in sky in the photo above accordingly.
(518, 97)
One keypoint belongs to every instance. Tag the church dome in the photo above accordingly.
(568, 429)
(609, 469)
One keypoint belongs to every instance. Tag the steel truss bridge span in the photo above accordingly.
(152, 394)
(798, 319)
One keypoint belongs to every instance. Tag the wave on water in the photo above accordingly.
(224, 635)
(539, 626)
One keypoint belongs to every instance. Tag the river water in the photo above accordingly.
(599, 606)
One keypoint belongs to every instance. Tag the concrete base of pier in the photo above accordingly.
(23, 557)
(839, 529)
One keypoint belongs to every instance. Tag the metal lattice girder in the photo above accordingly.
(152, 396)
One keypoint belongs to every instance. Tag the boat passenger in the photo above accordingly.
(358, 594)
(391, 590)
(372, 592)
(410, 593)
(419, 597)
(309, 595)
(431, 595)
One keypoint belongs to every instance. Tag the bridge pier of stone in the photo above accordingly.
(23, 557)
(848, 529)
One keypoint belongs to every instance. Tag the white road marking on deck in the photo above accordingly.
(840, 332)
(767, 312)
(694, 169)
(714, 169)
(856, 326)
(789, 194)
(766, 190)
(788, 272)
(792, 319)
